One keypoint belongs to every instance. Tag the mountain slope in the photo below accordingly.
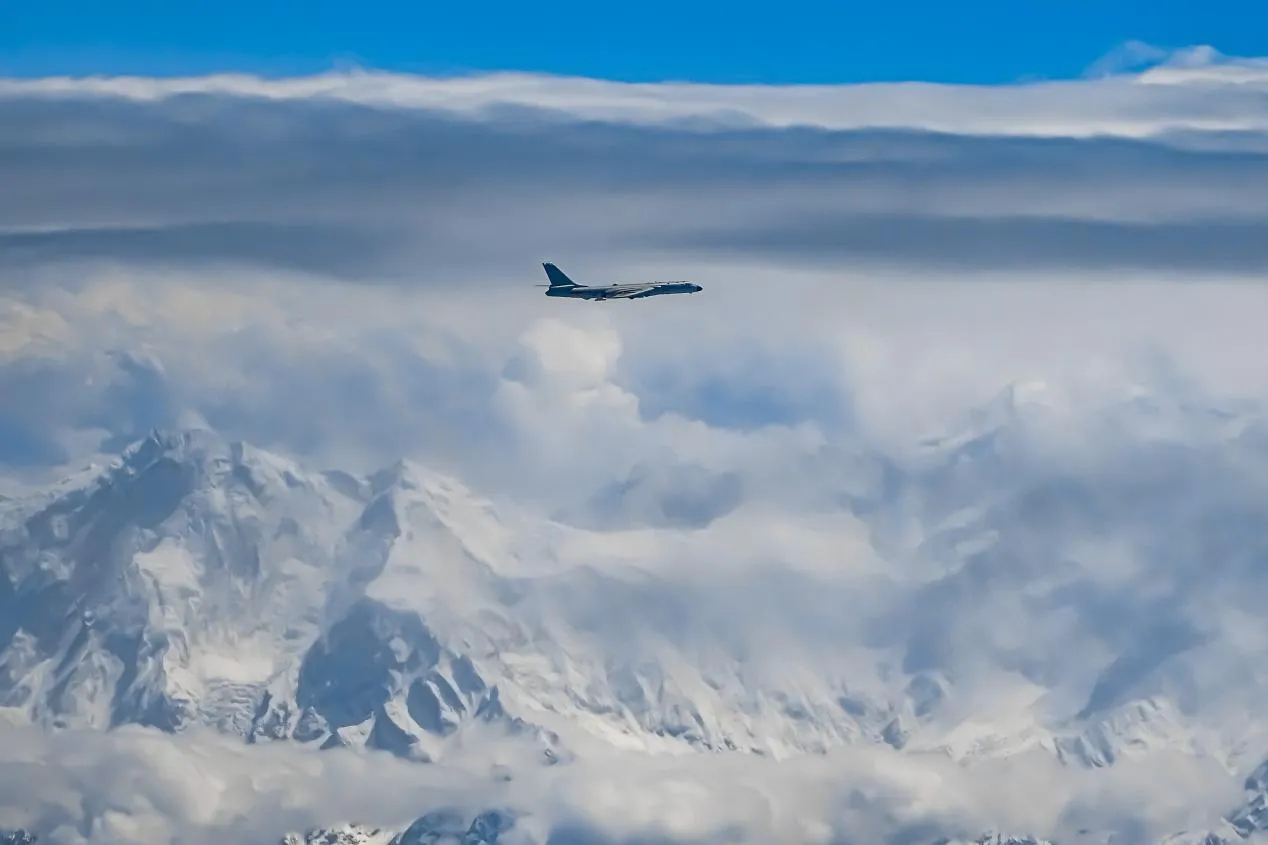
(202, 582)
(445, 825)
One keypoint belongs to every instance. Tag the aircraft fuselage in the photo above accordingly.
(564, 287)
(623, 291)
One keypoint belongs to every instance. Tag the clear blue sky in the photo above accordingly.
(723, 41)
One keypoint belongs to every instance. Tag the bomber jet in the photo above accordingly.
(561, 285)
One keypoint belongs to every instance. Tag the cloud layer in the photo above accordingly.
(141, 786)
(375, 178)
(360, 219)
(340, 268)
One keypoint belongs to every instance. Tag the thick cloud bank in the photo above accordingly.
(341, 268)
(134, 786)
(377, 177)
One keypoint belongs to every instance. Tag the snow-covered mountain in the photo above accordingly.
(996, 839)
(446, 827)
(439, 827)
(1091, 602)
(342, 835)
(197, 581)
(449, 828)
(202, 582)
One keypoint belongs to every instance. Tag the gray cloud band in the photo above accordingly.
(366, 193)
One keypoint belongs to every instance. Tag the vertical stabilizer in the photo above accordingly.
(557, 277)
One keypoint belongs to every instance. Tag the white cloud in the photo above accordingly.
(1173, 98)
(145, 788)
(142, 786)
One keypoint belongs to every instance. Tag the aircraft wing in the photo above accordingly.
(625, 293)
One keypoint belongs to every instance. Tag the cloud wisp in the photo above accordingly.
(1168, 93)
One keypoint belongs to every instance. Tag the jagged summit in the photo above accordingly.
(209, 459)
(197, 580)
(178, 442)
(441, 825)
(346, 834)
(996, 838)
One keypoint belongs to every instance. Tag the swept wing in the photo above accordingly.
(627, 292)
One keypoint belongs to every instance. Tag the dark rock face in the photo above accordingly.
(448, 827)
(17, 837)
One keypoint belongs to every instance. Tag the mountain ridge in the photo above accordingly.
(265, 576)
(198, 581)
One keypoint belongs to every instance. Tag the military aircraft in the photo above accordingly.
(561, 285)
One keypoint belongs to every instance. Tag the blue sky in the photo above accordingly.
(982, 41)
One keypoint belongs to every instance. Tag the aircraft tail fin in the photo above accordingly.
(557, 277)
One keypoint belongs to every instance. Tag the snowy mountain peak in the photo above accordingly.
(176, 443)
(341, 835)
(169, 587)
(446, 825)
(201, 581)
(995, 838)
(208, 459)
